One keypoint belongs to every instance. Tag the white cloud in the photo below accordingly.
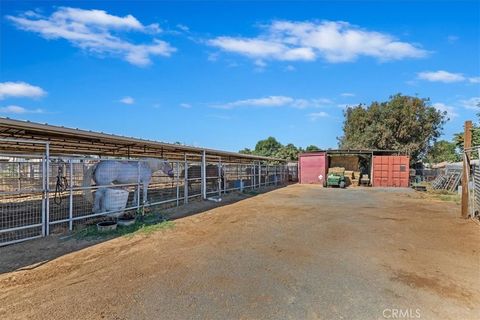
(452, 39)
(334, 41)
(96, 31)
(474, 79)
(183, 27)
(127, 100)
(290, 68)
(276, 101)
(472, 103)
(451, 111)
(185, 105)
(347, 94)
(441, 76)
(13, 109)
(348, 105)
(20, 89)
(314, 116)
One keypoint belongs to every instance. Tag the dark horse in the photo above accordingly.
(213, 173)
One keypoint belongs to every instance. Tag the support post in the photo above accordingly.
(204, 175)
(44, 197)
(177, 178)
(220, 177)
(185, 182)
(138, 187)
(70, 198)
(467, 144)
(259, 174)
(47, 189)
(19, 177)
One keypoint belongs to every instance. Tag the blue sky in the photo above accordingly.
(224, 75)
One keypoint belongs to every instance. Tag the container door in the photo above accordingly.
(312, 168)
(391, 171)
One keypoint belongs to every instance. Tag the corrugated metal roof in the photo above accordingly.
(64, 140)
(355, 151)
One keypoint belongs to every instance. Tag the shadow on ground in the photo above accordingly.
(32, 254)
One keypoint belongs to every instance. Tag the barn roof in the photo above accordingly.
(356, 152)
(18, 136)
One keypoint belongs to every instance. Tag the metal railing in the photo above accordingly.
(40, 194)
(473, 181)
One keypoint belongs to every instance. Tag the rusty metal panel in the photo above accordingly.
(391, 171)
(312, 168)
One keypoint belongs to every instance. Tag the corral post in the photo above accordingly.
(177, 177)
(19, 177)
(252, 175)
(70, 204)
(224, 182)
(467, 144)
(44, 206)
(204, 176)
(47, 187)
(267, 177)
(138, 185)
(185, 182)
(219, 177)
(276, 174)
(259, 174)
(239, 176)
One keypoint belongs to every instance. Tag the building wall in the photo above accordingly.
(345, 161)
(391, 171)
(312, 168)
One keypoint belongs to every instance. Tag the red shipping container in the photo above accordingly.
(391, 171)
(312, 167)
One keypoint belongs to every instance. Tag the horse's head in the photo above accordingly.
(167, 168)
(161, 164)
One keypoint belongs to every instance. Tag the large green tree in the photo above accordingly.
(458, 137)
(288, 152)
(271, 147)
(268, 147)
(404, 123)
(443, 151)
(311, 148)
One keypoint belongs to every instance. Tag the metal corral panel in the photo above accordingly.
(391, 171)
(312, 168)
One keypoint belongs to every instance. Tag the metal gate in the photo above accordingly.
(474, 181)
(23, 196)
(42, 194)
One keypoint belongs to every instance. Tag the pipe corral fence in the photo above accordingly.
(471, 156)
(45, 185)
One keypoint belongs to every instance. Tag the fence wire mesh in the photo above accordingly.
(76, 190)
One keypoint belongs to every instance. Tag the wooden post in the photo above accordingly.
(467, 144)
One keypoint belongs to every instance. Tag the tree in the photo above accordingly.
(311, 148)
(288, 152)
(403, 123)
(246, 151)
(268, 147)
(458, 137)
(443, 151)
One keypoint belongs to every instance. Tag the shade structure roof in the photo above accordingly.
(17, 137)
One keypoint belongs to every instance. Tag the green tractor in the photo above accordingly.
(336, 177)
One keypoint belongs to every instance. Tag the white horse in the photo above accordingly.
(111, 172)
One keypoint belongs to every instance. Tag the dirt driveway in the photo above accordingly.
(300, 252)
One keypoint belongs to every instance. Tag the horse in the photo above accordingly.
(212, 171)
(111, 172)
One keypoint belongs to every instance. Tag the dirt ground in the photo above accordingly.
(299, 252)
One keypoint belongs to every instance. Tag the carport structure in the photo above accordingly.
(43, 172)
(385, 168)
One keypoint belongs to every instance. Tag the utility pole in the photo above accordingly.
(467, 144)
